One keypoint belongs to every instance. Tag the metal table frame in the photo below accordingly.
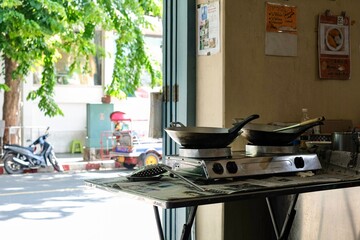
(281, 233)
(186, 231)
(195, 201)
(290, 215)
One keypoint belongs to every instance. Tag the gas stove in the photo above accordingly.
(211, 164)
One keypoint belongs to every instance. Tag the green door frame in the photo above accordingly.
(179, 74)
(179, 77)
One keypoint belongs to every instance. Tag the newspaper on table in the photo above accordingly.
(172, 189)
(169, 188)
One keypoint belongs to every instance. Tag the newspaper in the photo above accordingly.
(169, 188)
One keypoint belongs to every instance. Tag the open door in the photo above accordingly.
(179, 87)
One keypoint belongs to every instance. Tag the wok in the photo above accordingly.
(266, 135)
(206, 137)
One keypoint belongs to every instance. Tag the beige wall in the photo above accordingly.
(210, 112)
(210, 85)
(242, 80)
(278, 87)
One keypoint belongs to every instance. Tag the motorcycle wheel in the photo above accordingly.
(10, 166)
(54, 162)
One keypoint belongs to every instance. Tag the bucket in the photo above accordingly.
(345, 141)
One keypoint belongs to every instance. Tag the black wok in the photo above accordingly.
(266, 135)
(206, 137)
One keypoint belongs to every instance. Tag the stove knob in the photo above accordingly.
(218, 168)
(299, 162)
(231, 167)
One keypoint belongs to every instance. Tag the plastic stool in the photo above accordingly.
(76, 146)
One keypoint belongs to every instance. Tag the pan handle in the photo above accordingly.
(314, 120)
(236, 128)
(176, 124)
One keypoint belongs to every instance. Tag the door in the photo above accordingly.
(179, 49)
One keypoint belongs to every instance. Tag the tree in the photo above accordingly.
(35, 33)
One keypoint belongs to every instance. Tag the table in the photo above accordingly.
(170, 192)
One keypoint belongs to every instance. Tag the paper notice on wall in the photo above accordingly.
(334, 47)
(281, 30)
(208, 16)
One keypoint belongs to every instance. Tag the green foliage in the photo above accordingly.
(46, 90)
(131, 57)
(35, 33)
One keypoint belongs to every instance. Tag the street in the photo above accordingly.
(58, 206)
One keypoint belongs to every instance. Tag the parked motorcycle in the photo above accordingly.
(39, 154)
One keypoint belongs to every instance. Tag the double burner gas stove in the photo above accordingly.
(211, 164)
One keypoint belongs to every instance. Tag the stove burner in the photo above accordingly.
(205, 153)
(254, 150)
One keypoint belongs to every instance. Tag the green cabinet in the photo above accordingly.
(97, 121)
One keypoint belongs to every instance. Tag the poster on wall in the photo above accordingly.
(334, 47)
(208, 16)
(281, 30)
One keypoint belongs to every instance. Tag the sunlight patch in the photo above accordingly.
(10, 207)
(41, 215)
(13, 189)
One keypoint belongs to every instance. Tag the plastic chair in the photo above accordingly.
(76, 146)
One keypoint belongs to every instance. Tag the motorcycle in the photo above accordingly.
(39, 154)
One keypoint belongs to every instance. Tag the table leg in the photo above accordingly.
(285, 230)
(187, 227)
(158, 223)
(185, 234)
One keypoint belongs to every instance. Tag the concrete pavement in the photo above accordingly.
(75, 162)
(51, 206)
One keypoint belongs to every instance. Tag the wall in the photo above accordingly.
(327, 215)
(72, 101)
(210, 102)
(210, 112)
(243, 80)
(278, 87)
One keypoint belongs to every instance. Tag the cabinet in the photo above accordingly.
(97, 121)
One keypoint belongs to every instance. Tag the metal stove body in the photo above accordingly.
(211, 164)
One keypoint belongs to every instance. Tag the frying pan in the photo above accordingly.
(206, 137)
(266, 135)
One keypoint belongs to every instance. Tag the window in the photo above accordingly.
(91, 78)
